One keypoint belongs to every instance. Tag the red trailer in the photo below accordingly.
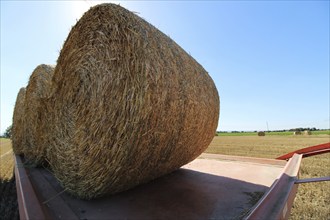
(210, 187)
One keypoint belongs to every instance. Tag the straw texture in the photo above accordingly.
(128, 105)
(307, 132)
(36, 114)
(261, 133)
(18, 138)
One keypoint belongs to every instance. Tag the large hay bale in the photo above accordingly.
(297, 133)
(129, 106)
(307, 132)
(261, 133)
(36, 113)
(18, 136)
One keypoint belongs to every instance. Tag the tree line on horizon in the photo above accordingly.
(283, 130)
(7, 133)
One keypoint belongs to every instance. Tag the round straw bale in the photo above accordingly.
(297, 133)
(261, 133)
(129, 104)
(36, 114)
(307, 132)
(18, 137)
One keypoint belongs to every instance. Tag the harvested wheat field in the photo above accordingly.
(313, 199)
(8, 199)
(126, 99)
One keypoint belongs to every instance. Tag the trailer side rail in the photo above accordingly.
(308, 151)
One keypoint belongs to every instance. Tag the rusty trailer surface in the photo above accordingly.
(210, 187)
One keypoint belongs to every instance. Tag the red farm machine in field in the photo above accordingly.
(210, 187)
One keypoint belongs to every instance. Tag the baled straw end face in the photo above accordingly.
(261, 133)
(36, 115)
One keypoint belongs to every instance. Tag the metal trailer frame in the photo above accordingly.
(32, 184)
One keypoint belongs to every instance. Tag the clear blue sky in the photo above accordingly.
(269, 59)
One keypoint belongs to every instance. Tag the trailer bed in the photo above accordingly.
(210, 187)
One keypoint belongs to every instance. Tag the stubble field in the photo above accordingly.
(312, 200)
(8, 200)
